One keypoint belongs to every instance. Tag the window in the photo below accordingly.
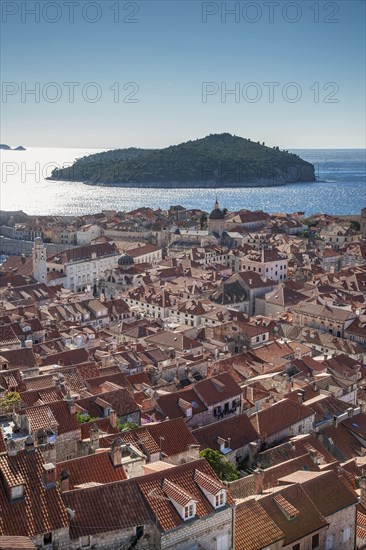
(17, 492)
(85, 541)
(315, 541)
(189, 511)
(47, 539)
(139, 531)
(296, 547)
(220, 499)
(222, 542)
(329, 542)
(346, 534)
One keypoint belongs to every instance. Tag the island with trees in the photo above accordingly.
(218, 160)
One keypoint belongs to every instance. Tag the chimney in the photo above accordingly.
(300, 396)
(258, 476)
(49, 475)
(113, 418)
(116, 452)
(94, 438)
(29, 444)
(65, 480)
(70, 402)
(362, 486)
(253, 451)
(12, 450)
(250, 393)
(298, 353)
(41, 437)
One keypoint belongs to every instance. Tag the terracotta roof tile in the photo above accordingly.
(279, 416)
(254, 527)
(41, 510)
(96, 468)
(105, 508)
(329, 492)
(238, 429)
(307, 521)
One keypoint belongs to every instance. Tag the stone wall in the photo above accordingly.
(67, 445)
(306, 542)
(201, 533)
(60, 539)
(337, 523)
(121, 539)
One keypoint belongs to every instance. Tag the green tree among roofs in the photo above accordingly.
(222, 467)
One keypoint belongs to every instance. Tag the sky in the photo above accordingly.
(113, 73)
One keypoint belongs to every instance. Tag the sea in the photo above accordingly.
(340, 188)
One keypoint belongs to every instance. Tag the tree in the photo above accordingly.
(203, 220)
(355, 225)
(82, 417)
(126, 426)
(222, 467)
(10, 402)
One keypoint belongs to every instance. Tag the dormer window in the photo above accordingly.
(183, 502)
(211, 488)
(220, 499)
(190, 511)
(17, 492)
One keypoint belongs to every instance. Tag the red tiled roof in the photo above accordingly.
(183, 476)
(217, 389)
(307, 521)
(21, 359)
(329, 492)
(22, 265)
(41, 510)
(8, 336)
(84, 253)
(279, 416)
(16, 543)
(69, 357)
(254, 527)
(97, 468)
(238, 429)
(106, 508)
(120, 400)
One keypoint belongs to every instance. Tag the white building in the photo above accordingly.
(87, 233)
(82, 266)
(267, 263)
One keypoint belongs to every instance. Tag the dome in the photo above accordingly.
(125, 260)
(216, 213)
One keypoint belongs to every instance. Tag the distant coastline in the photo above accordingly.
(5, 147)
(193, 185)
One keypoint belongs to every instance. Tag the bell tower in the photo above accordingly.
(39, 261)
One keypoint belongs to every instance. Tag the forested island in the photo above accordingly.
(220, 160)
(5, 147)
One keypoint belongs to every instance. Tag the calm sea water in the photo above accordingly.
(341, 188)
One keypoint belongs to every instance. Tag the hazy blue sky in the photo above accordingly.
(164, 53)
